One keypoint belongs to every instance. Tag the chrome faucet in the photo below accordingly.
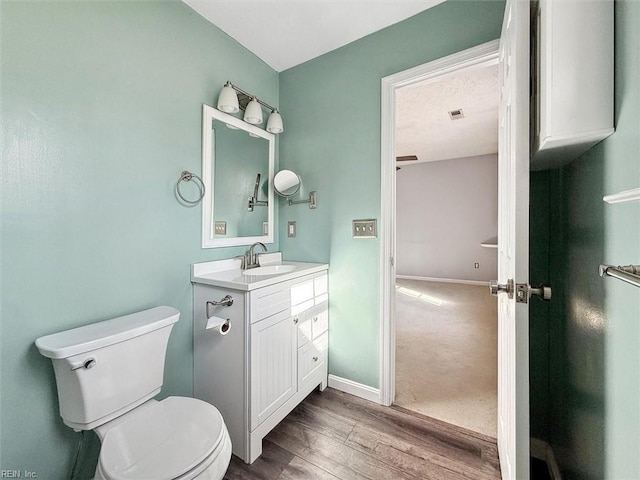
(252, 258)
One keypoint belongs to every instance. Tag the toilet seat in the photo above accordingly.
(166, 441)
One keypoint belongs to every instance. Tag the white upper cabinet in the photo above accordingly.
(572, 79)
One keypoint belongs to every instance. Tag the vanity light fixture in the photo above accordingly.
(228, 99)
(274, 122)
(232, 99)
(253, 112)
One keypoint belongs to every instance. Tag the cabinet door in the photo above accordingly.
(273, 365)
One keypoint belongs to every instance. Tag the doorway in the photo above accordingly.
(446, 143)
(477, 58)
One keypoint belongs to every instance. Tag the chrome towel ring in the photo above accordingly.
(187, 176)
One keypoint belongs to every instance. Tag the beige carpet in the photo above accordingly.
(446, 353)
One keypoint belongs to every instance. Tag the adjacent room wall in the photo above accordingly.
(444, 211)
(101, 109)
(332, 140)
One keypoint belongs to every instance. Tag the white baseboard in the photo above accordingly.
(543, 451)
(355, 388)
(444, 280)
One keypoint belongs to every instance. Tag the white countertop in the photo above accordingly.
(227, 273)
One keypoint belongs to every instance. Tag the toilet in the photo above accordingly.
(107, 374)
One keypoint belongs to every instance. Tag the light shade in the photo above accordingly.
(228, 100)
(253, 112)
(274, 123)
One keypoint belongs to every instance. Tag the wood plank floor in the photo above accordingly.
(334, 435)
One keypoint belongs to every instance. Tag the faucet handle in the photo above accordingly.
(243, 261)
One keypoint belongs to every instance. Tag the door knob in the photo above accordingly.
(495, 288)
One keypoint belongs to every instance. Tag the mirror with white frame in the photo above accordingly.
(237, 170)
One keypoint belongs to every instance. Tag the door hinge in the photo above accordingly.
(391, 261)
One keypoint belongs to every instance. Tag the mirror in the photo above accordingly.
(286, 183)
(237, 170)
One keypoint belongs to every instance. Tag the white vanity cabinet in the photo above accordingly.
(273, 356)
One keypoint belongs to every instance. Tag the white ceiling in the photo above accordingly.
(423, 126)
(286, 33)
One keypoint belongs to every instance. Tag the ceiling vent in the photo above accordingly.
(456, 114)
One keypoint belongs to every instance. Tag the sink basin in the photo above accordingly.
(270, 270)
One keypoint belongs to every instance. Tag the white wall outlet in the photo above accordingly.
(291, 229)
(220, 228)
(265, 228)
(366, 228)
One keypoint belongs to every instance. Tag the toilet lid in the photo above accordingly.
(163, 442)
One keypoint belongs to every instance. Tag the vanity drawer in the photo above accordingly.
(321, 285)
(305, 330)
(302, 292)
(305, 313)
(311, 357)
(312, 323)
(271, 303)
(320, 323)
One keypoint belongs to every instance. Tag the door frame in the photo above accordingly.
(480, 56)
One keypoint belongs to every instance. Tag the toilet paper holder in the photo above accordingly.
(227, 301)
(222, 324)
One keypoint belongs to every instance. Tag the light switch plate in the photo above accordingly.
(365, 228)
(265, 228)
(291, 229)
(220, 228)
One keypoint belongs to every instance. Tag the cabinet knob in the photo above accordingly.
(295, 320)
(315, 359)
(315, 319)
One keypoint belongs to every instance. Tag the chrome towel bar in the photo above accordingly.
(627, 273)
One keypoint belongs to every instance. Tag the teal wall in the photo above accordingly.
(332, 104)
(594, 323)
(101, 108)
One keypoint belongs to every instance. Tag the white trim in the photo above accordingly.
(480, 56)
(625, 196)
(444, 280)
(355, 388)
(543, 451)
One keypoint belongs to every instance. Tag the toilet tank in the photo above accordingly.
(105, 369)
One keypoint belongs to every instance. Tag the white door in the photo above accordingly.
(513, 242)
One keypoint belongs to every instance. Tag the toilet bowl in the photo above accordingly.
(176, 438)
(107, 374)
